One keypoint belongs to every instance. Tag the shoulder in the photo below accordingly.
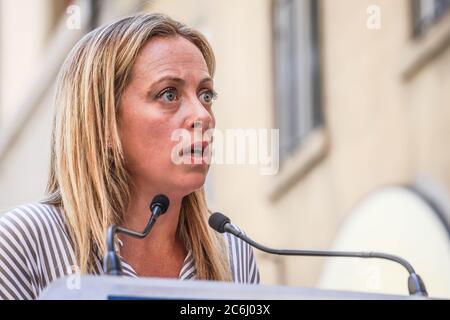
(32, 219)
(242, 259)
(36, 230)
(30, 235)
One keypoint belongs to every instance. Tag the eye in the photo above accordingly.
(168, 95)
(208, 96)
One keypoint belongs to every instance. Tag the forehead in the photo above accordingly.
(173, 54)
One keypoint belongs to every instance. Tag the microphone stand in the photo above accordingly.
(112, 264)
(416, 286)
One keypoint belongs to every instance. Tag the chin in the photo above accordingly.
(191, 183)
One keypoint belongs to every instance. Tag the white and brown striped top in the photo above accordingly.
(35, 250)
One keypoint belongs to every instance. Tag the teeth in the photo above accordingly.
(194, 151)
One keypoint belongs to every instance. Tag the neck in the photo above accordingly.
(164, 233)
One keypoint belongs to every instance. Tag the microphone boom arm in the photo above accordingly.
(416, 285)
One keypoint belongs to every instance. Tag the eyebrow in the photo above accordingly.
(180, 81)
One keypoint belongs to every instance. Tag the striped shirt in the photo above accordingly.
(35, 250)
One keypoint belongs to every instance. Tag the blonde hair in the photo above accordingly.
(87, 174)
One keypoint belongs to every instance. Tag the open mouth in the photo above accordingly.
(195, 150)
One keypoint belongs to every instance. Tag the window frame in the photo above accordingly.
(422, 21)
(284, 107)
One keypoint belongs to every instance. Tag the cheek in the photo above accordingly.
(147, 141)
(148, 146)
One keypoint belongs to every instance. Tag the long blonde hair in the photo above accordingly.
(87, 174)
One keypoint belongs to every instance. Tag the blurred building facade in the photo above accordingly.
(358, 88)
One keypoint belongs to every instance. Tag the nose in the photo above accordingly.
(200, 117)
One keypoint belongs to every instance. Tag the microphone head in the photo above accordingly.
(217, 221)
(161, 201)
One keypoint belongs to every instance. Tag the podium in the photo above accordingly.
(124, 288)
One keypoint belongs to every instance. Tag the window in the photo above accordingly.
(426, 13)
(296, 70)
(59, 8)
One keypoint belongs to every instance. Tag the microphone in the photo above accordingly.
(111, 264)
(416, 286)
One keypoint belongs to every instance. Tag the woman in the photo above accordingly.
(121, 93)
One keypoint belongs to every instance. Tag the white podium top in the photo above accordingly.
(108, 287)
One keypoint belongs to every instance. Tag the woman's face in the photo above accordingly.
(170, 89)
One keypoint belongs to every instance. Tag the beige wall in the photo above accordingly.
(24, 30)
